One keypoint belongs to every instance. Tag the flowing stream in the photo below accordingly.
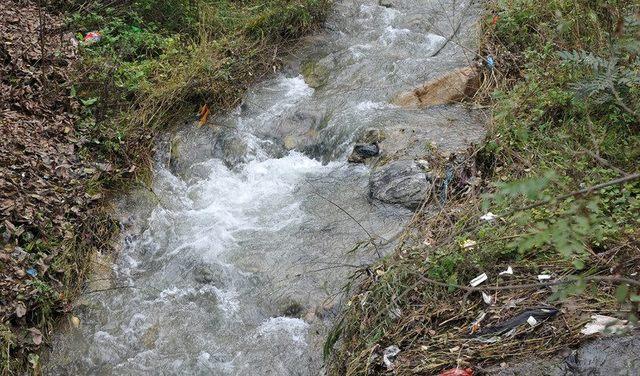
(233, 264)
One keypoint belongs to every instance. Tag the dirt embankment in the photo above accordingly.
(44, 208)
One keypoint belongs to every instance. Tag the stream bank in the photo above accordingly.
(234, 260)
(78, 120)
(537, 237)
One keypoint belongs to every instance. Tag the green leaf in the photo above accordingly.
(452, 280)
(621, 293)
(89, 102)
(578, 264)
(635, 298)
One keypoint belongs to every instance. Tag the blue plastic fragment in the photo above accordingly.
(32, 272)
(490, 63)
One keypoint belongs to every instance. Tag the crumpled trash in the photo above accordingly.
(478, 280)
(528, 316)
(602, 324)
(92, 37)
(509, 271)
(490, 63)
(457, 372)
(489, 217)
(389, 355)
(475, 325)
(468, 244)
(32, 272)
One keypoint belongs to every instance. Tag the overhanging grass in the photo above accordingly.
(159, 62)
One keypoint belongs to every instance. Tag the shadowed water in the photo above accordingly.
(233, 264)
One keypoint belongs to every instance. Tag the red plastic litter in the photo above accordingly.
(457, 372)
(92, 37)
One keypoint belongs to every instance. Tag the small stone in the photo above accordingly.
(372, 135)
(310, 316)
(364, 151)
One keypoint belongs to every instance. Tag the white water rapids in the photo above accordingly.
(234, 263)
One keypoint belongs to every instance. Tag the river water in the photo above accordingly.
(233, 263)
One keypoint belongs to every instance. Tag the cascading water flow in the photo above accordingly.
(232, 263)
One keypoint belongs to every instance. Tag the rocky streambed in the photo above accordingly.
(233, 262)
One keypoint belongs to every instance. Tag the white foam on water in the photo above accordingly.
(295, 328)
(370, 106)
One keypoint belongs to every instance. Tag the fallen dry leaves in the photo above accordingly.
(43, 201)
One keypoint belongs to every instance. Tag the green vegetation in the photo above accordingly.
(565, 95)
(160, 61)
(157, 63)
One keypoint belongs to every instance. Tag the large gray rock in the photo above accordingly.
(603, 357)
(402, 182)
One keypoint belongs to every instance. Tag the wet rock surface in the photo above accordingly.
(602, 357)
(403, 182)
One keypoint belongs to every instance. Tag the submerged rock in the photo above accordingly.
(402, 182)
(292, 309)
(448, 88)
(209, 274)
(299, 130)
(234, 151)
(315, 75)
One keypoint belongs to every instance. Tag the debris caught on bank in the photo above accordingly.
(468, 244)
(389, 355)
(92, 37)
(457, 372)
(478, 280)
(489, 217)
(203, 115)
(487, 298)
(602, 324)
(530, 316)
(544, 277)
